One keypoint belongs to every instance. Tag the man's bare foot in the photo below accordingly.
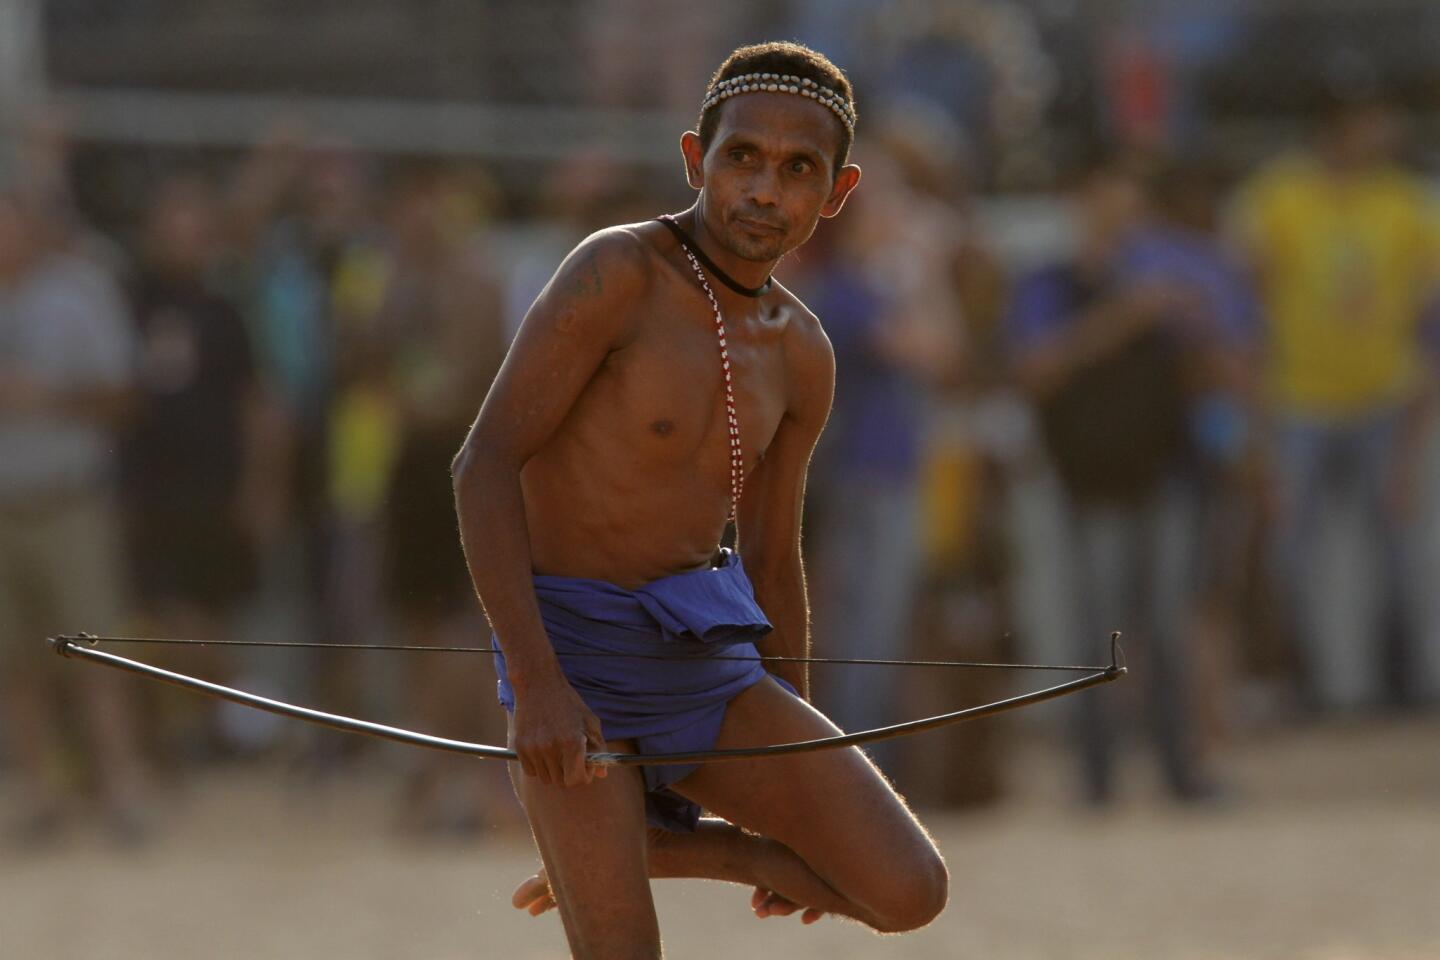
(774, 866)
(778, 867)
(766, 903)
(534, 895)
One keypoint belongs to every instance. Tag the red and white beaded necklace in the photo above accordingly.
(737, 453)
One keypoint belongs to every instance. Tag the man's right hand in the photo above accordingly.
(553, 731)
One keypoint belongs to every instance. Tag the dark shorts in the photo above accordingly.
(668, 705)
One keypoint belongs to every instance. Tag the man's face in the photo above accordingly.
(1110, 204)
(769, 174)
(182, 229)
(1367, 134)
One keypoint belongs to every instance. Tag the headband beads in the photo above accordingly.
(782, 83)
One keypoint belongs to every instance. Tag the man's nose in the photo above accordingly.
(765, 187)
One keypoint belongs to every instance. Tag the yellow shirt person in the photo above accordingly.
(1344, 267)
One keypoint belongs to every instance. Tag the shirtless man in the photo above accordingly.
(593, 490)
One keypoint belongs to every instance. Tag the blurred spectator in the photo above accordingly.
(66, 358)
(879, 279)
(1345, 244)
(981, 63)
(1181, 248)
(634, 52)
(960, 589)
(440, 330)
(302, 218)
(195, 485)
(1103, 351)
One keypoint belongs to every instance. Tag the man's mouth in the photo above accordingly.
(759, 226)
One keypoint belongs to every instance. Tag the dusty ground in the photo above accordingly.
(1332, 852)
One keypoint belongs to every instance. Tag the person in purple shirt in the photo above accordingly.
(1104, 343)
(883, 280)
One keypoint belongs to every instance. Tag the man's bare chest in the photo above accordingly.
(664, 393)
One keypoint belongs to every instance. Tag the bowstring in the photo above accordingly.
(67, 646)
(425, 648)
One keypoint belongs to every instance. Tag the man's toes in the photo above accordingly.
(768, 904)
(811, 915)
(535, 890)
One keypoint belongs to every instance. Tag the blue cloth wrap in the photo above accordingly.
(665, 706)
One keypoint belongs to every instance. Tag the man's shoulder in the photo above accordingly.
(599, 285)
(802, 326)
(808, 351)
(621, 256)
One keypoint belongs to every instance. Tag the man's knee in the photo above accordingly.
(919, 893)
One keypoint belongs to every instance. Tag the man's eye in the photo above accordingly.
(739, 156)
(800, 167)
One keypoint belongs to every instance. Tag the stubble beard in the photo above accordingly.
(754, 249)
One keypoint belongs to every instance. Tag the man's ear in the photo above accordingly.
(694, 158)
(845, 181)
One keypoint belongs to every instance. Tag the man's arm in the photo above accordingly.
(100, 404)
(581, 316)
(1097, 333)
(773, 501)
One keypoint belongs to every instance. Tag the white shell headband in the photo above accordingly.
(782, 83)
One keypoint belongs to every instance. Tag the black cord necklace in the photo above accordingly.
(689, 244)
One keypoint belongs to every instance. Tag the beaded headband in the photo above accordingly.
(782, 83)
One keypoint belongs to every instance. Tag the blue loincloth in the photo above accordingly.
(664, 706)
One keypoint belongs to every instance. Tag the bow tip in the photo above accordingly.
(64, 643)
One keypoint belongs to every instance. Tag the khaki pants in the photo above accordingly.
(60, 572)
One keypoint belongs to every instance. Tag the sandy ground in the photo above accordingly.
(1331, 851)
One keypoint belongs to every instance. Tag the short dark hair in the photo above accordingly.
(787, 58)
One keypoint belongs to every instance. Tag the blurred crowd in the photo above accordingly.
(257, 392)
(233, 417)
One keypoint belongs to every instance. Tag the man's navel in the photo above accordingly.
(663, 428)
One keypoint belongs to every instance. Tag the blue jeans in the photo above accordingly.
(870, 559)
(1134, 571)
(1316, 463)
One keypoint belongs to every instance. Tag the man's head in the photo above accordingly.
(784, 59)
(1108, 192)
(771, 162)
(182, 226)
(1359, 129)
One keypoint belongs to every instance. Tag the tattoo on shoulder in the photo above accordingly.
(584, 279)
